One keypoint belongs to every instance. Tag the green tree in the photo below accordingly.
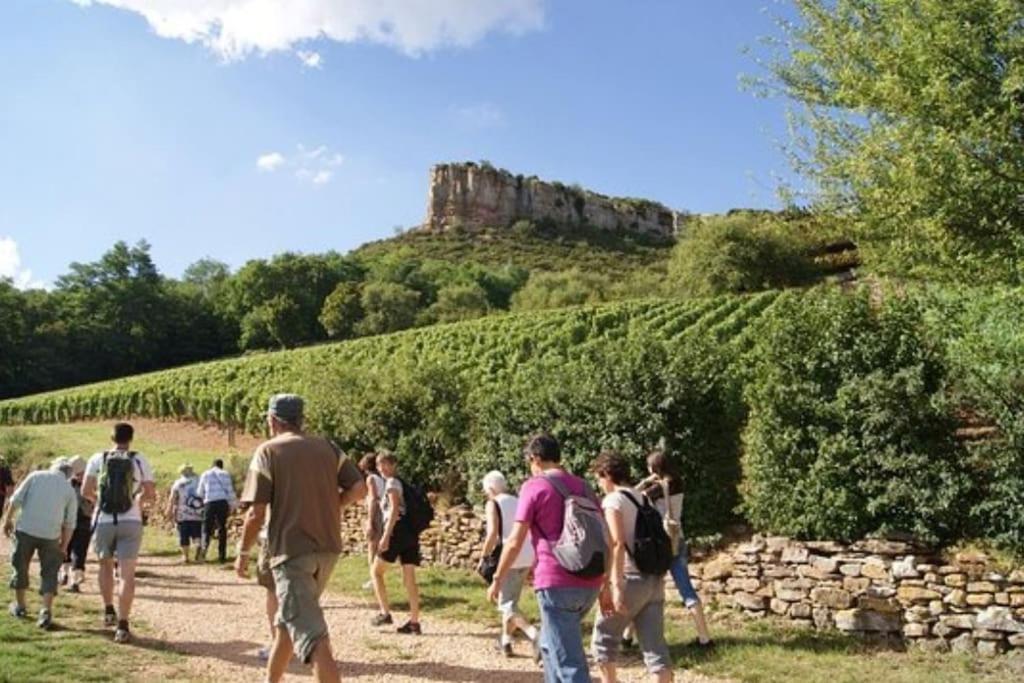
(741, 252)
(342, 310)
(910, 122)
(565, 288)
(388, 307)
(459, 302)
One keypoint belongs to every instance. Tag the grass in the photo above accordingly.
(750, 651)
(77, 649)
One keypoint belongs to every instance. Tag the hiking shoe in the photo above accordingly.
(263, 654)
(708, 645)
(45, 620)
(63, 578)
(122, 634)
(410, 627)
(74, 588)
(382, 620)
(368, 586)
(109, 616)
(506, 648)
(17, 611)
(627, 643)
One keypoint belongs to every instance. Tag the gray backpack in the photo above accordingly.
(582, 546)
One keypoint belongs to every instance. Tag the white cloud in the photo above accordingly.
(270, 162)
(310, 59)
(10, 266)
(234, 29)
(480, 115)
(313, 165)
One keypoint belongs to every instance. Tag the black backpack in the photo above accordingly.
(117, 483)
(418, 511)
(652, 548)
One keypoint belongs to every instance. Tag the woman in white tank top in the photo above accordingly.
(501, 516)
(374, 513)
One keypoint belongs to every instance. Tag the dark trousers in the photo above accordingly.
(215, 518)
(78, 547)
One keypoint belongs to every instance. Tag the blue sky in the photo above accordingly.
(240, 135)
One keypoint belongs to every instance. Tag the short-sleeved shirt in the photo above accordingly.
(393, 484)
(542, 509)
(141, 473)
(298, 476)
(617, 500)
(187, 501)
(507, 504)
(46, 502)
(376, 482)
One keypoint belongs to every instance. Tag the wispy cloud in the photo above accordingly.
(310, 59)
(11, 266)
(314, 165)
(234, 29)
(480, 115)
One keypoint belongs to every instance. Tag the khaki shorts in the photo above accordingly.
(299, 584)
(122, 540)
(264, 577)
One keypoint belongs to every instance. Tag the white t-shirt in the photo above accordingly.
(141, 473)
(507, 503)
(392, 484)
(184, 490)
(617, 500)
(376, 482)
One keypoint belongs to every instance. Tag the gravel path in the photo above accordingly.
(217, 621)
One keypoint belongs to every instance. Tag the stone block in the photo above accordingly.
(948, 569)
(1016, 640)
(856, 584)
(887, 605)
(790, 590)
(984, 634)
(753, 546)
(1016, 577)
(836, 598)
(850, 570)
(800, 610)
(990, 648)
(956, 597)
(776, 544)
(959, 621)
(718, 568)
(778, 606)
(916, 630)
(1016, 599)
(878, 546)
(867, 620)
(881, 591)
(980, 599)
(917, 615)
(825, 547)
(981, 587)
(955, 580)
(936, 608)
(1003, 599)
(874, 570)
(971, 557)
(962, 644)
(778, 572)
(747, 585)
(944, 631)
(999, 619)
(927, 568)
(756, 603)
(905, 568)
(933, 645)
(825, 565)
(911, 594)
(822, 617)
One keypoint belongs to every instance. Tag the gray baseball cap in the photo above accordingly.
(286, 407)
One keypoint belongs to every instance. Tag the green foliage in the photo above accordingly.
(741, 252)
(910, 124)
(459, 302)
(387, 307)
(849, 430)
(342, 310)
(567, 288)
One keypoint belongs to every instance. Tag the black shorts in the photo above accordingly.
(189, 530)
(404, 547)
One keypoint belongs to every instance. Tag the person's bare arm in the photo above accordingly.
(352, 494)
(172, 498)
(65, 538)
(89, 488)
(394, 500)
(494, 535)
(616, 577)
(255, 517)
(148, 492)
(509, 553)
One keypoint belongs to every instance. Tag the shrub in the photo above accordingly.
(387, 307)
(850, 432)
(741, 252)
(342, 310)
(566, 288)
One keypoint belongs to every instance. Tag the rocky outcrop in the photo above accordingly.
(475, 196)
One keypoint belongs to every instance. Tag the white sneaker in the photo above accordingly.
(368, 586)
(263, 653)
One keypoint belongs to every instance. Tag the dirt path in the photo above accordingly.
(203, 612)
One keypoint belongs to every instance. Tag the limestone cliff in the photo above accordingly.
(475, 196)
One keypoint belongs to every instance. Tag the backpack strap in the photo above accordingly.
(559, 486)
(633, 500)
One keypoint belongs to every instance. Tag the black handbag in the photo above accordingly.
(489, 564)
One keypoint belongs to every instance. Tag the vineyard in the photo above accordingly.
(485, 351)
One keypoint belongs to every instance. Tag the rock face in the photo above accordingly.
(475, 196)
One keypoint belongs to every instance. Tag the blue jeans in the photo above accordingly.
(561, 638)
(681, 576)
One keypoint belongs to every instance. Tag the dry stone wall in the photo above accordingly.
(873, 588)
(475, 196)
(882, 588)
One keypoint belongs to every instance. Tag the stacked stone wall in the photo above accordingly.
(893, 590)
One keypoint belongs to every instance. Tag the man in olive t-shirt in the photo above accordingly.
(306, 480)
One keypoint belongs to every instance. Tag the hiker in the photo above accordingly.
(185, 506)
(78, 548)
(298, 476)
(118, 481)
(374, 512)
(664, 487)
(564, 596)
(631, 594)
(46, 506)
(218, 494)
(400, 542)
(501, 517)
